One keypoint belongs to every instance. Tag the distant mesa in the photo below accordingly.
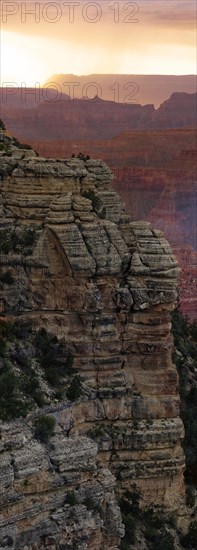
(125, 88)
(48, 119)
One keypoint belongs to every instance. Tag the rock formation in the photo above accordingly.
(79, 119)
(131, 88)
(155, 174)
(107, 286)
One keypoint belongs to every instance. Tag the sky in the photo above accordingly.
(42, 38)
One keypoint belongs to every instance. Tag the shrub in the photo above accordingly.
(5, 329)
(190, 493)
(11, 331)
(106, 430)
(7, 278)
(5, 243)
(190, 540)
(150, 533)
(129, 505)
(2, 346)
(164, 539)
(124, 545)
(90, 503)
(39, 398)
(75, 390)
(59, 394)
(129, 522)
(21, 329)
(50, 353)
(44, 340)
(129, 502)
(152, 519)
(97, 431)
(27, 358)
(193, 331)
(44, 428)
(10, 240)
(29, 237)
(31, 388)
(12, 403)
(71, 498)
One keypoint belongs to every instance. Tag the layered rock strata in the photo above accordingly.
(107, 286)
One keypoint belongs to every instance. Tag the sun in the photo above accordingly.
(29, 59)
(18, 61)
(32, 59)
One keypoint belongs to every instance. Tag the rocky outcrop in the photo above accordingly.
(178, 111)
(155, 174)
(39, 508)
(107, 286)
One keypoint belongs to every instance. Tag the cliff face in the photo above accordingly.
(155, 174)
(79, 119)
(107, 286)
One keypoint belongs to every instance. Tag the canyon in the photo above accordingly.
(155, 174)
(123, 88)
(106, 285)
(33, 114)
(155, 168)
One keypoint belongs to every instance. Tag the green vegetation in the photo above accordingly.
(14, 331)
(6, 278)
(102, 430)
(129, 505)
(12, 402)
(90, 503)
(74, 390)
(71, 498)
(163, 539)
(156, 528)
(190, 540)
(19, 383)
(51, 355)
(98, 431)
(4, 147)
(31, 363)
(44, 428)
(14, 241)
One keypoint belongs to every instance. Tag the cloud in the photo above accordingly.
(160, 42)
(169, 13)
(99, 12)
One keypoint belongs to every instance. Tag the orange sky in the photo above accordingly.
(83, 37)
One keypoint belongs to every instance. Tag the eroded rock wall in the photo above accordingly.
(107, 286)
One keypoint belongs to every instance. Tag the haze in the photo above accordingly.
(144, 37)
